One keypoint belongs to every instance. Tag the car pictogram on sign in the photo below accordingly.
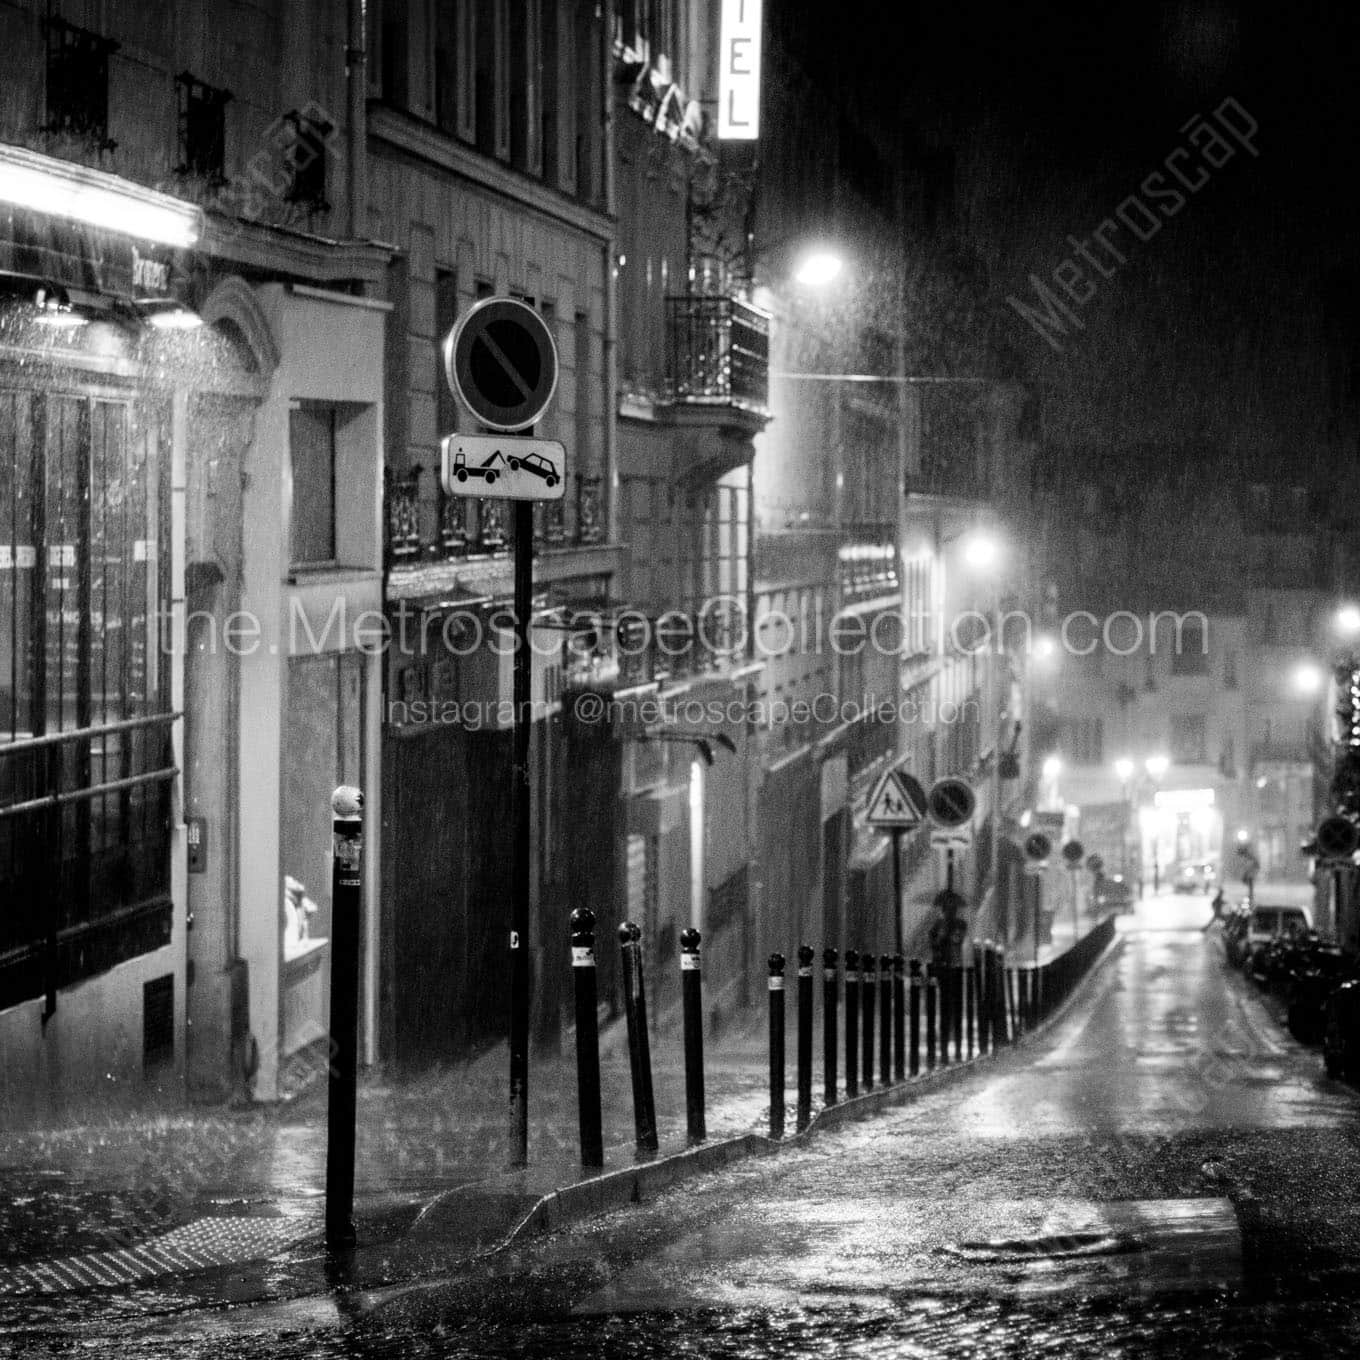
(536, 464)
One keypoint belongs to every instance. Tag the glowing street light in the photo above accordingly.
(818, 268)
(1045, 648)
(1347, 620)
(1052, 767)
(1157, 766)
(981, 551)
(1123, 767)
(1307, 678)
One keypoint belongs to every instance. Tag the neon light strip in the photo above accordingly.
(45, 185)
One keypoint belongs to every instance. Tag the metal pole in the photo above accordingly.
(899, 966)
(851, 1022)
(914, 1060)
(829, 998)
(897, 889)
(643, 1037)
(885, 1018)
(867, 990)
(347, 855)
(644, 1118)
(520, 821)
(776, 1045)
(981, 955)
(932, 1003)
(587, 1036)
(805, 956)
(970, 1002)
(692, 1003)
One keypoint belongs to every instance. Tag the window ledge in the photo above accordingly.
(329, 572)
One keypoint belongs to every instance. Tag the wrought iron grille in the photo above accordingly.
(85, 754)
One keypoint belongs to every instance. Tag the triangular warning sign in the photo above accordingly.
(898, 802)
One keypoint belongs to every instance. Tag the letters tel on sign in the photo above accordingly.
(739, 71)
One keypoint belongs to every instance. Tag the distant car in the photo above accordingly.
(1115, 894)
(1197, 876)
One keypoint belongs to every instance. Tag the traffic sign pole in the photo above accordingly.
(897, 888)
(520, 862)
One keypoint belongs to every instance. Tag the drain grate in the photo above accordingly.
(200, 1245)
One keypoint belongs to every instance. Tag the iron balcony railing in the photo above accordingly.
(719, 352)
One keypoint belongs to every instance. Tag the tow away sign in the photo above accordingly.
(501, 465)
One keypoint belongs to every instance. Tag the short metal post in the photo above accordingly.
(851, 1022)
(806, 954)
(867, 992)
(899, 967)
(830, 996)
(885, 1016)
(347, 856)
(981, 955)
(639, 1048)
(914, 987)
(1002, 1030)
(691, 1001)
(956, 1007)
(970, 1002)
(776, 1045)
(932, 1008)
(587, 1036)
(940, 972)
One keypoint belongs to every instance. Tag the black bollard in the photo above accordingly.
(691, 1001)
(587, 1036)
(932, 1010)
(980, 952)
(347, 851)
(868, 991)
(956, 1007)
(776, 1045)
(940, 972)
(806, 954)
(914, 996)
(969, 1003)
(851, 1022)
(639, 1049)
(899, 966)
(829, 999)
(1005, 1010)
(885, 1015)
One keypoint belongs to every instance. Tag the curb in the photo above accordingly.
(618, 1189)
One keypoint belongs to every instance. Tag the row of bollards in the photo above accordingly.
(968, 1008)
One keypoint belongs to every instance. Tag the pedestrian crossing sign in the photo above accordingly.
(898, 803)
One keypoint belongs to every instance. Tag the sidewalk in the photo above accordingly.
(224, 1186)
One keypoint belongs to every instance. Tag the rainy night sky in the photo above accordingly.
(1234, 328)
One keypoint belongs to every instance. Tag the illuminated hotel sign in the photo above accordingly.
(739, 71)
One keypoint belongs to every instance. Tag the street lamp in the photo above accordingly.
(981, 551)
(818, 268)
(1346, 620)
(1307, 678)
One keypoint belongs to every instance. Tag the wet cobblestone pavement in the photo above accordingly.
(1166, 1119)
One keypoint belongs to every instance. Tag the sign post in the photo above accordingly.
(898, 804)
(501, 362)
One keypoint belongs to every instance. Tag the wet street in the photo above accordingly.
(1165, 1172)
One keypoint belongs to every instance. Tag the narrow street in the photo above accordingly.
(1163, 1173)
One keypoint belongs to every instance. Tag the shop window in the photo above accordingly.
(202, 129)
(78, 82)
(312, 448)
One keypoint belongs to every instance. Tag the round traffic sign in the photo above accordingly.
(1038, 846)
(951, 802)
(1074, 852)
(501, 363)
(1337, 838)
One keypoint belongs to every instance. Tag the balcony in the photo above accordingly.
(720, 356)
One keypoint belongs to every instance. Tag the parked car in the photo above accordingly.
(1341, 1031)
(1196, 876)
(1115, 894)
(1315, 974)
(1268, 924)
(1236, 924)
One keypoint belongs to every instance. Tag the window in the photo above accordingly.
(311, 443)
(1188, 739)
(493, 78)
(202, 129)
(78, 82)
(526, 71)
(455, 68)
(306, 158)
(1191, 651)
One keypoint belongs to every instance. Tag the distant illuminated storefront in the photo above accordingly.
(1179, 827)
